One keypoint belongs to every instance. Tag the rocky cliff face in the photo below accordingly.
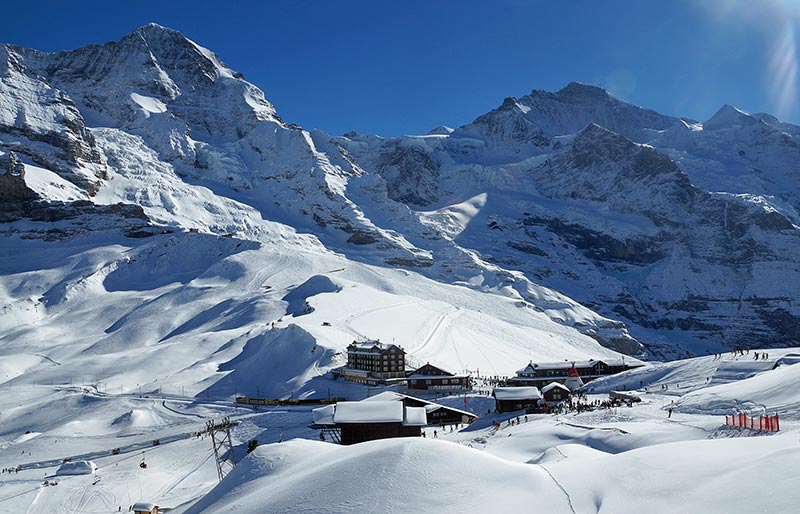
(662, 235)
(43, 123)
(598, 213)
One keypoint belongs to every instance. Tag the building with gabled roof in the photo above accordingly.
(432, 378)
(144, 508)
(366, 421)
(509, 399)
(555, 392)
(539, 374)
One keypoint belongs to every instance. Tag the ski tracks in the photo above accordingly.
(346, 324)
(442, 317)
(555, 480)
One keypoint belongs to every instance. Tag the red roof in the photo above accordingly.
(573, 372)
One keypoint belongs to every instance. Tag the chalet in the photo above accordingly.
(144, 508)
(431, 378)
(373, 422)
(555, 392)
(438, 414)
(373, 362)
(539, 374)
(357, 422)
(509, 399)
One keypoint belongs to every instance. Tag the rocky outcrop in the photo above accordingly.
(43, 122)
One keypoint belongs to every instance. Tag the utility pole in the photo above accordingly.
(221, 442)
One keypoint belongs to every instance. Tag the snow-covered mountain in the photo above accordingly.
(145, 177)
(686, 231)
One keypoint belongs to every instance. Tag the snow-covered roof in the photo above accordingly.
(533, 366)
(324, 415)
(554, 385)
(517, 393)
(415, 417)
(369, 412)
(398, 397)
(370, 345)
(429, 406)
(145, 506)
(384, 396)
(566, 364)
(373, 411)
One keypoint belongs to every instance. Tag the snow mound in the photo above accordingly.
(770, 391)
(724, 475)
(290, 357)
(137, 418)
(315, 285)
(399, 475)
(79, 467)
(566, 451)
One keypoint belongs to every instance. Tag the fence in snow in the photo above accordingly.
(762, 423)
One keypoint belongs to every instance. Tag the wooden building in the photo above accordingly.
(539, 374)
(373, 362)
(144, 508)
(555, 392)
(431, 378)
(366, 421)
(509, 399)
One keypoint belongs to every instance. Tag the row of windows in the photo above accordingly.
(443, 381)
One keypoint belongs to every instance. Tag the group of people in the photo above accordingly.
(579, 404)
(511, 422)
(742, 351)
(14, 470)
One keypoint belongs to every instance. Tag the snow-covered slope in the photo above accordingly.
(418, 475)
(379, 476)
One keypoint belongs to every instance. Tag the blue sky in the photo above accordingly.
(403, 67)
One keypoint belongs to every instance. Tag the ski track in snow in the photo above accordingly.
(436, 326)
(561, 487)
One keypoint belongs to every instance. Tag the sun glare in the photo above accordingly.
(783, 71)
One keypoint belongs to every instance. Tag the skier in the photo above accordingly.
(670, 413)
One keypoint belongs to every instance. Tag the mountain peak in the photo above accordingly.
(578, 90)
(728, 116)
(155, 28)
